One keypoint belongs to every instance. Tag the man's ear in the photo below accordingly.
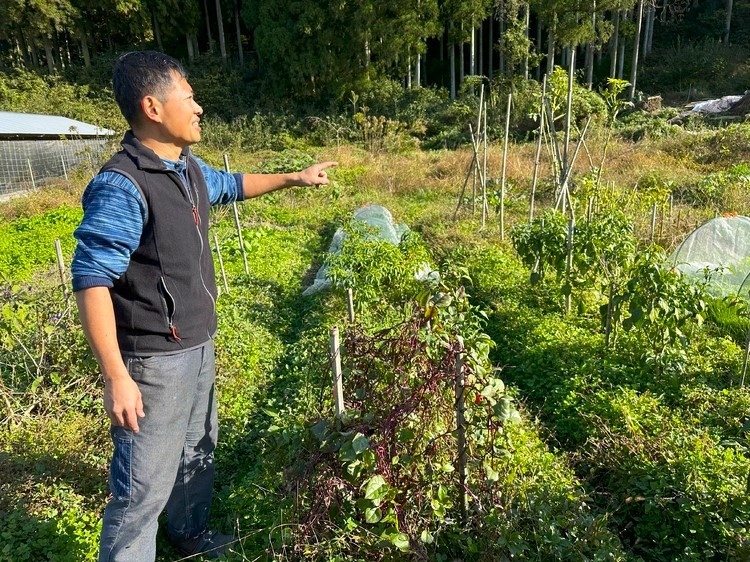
(152, 109)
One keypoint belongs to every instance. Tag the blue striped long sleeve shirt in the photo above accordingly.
(113, 219)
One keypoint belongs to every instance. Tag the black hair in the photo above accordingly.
(143, 73)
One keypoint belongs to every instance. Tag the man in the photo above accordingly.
(145, 288)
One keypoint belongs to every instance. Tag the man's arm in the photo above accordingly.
(258, 184)
(122, 399)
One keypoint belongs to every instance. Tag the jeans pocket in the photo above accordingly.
(120, 480)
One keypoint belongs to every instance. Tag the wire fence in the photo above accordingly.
(28, 164)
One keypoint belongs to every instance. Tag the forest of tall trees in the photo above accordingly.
(319, 48)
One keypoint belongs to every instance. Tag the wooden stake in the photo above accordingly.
(221, 263)
(338, 390)
(653, 221)
(237, 224)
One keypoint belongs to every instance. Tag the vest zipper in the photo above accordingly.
(170, 313)
(188, 185)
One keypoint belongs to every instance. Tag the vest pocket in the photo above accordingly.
(170, 307)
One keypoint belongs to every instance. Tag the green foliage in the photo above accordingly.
(261, 132)
(287, 161)
(27, 244)
(376, 269)
(585, 102)
(730, 317)
(656, 459)
(43, 351)
(683, 489)
(341, 45)
(708, 67)
(601, 249)
(653, 188)
(713, 189)
(27, 92)
(717, 147)
(69, 535)
(640, 125)
(387, 472)
(661, 303)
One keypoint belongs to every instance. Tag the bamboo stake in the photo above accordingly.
(671, 205)
(505, 162)
(539, 141)
(473, 191)
(237, 223)
(31, 174)
(476, 150)
(484, 167)
(461, 435)
(568, 117)
(569, 263)
(653, 221)
(65, 170)
(661, 221)
(476, 168)
(463, 189)
(744, 361)
(338, 391)
(221, 263)
(350, 302)
(556, 156)
(61, 268)
(564, 196)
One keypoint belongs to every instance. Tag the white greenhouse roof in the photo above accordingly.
(31, 125)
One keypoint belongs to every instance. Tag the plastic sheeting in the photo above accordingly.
(720, 251)
(717, 105)
(375, 216)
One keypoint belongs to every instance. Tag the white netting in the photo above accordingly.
(719, 250)
(375, 216)
(25, 164)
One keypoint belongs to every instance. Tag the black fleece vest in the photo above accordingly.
(166, 299)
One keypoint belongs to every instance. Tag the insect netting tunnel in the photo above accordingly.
(719, 253)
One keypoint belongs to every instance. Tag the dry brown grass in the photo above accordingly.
(388, 177)
(49, 197)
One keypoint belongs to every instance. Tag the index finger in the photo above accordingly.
(130, 419)
(324, 165)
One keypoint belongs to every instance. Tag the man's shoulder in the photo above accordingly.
(115, 187)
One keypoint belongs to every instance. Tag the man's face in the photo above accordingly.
(181, 114)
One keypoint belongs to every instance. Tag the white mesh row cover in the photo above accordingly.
(375, 216)
(719, 250)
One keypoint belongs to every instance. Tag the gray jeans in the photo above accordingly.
(169, 462)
